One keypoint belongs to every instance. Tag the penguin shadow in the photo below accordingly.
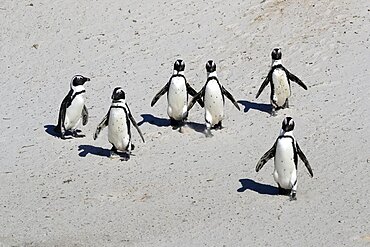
(153, 120)
(68, 135)
(89, 149)
(255, 106)
(265, 189)
(197, 127)
(50, 130)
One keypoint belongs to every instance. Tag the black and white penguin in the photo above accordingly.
(285, 152)
(118, 120)
(279, 78)
(73, 108)
(213, 94)
(177, 89)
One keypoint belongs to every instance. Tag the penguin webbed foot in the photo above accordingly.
(293, 196)
(125, 156)
(76, 135)
(218, 126)
(177, 124)
(273, 112)
(208, 133)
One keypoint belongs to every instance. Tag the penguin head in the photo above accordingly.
(210, 66)
(118, 94)
(276, 54)
(79, 80)
(179, 66)
(288, 124)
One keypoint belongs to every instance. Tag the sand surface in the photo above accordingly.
(182, 189)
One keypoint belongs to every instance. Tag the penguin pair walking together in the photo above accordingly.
(118, 119)
(211, 97)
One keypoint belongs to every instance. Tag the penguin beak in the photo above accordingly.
(87, 79)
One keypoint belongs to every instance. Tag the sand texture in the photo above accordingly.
(183, 189)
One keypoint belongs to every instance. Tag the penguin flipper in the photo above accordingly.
(60, 128)
(196, 97)
(266, 157)
(134, 123)
(159, 94)
(304, 159)
(294, 78)
(264, 84)
(85, 115)
(102, 125)
(230, 97)
(192, 92)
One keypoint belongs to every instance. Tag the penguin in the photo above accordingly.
(285, 152)
(279, 78)
(213, 94)
(73, 108)
(178, 90)
(119, 119)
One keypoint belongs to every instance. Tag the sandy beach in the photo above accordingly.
(183, 189)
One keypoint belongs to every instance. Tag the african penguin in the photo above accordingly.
(279, 78)
(118, 120)
(285, 152)
(177, 89)
(73, 108)
(213, 94)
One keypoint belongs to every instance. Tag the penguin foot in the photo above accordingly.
(273, 113)
(132, 147)
(177, 124)
(218, 126)
(125, 156)
(293, 196)
(79, 136)
(76, 135)
(175, 127)
(114, 155)
(208, 133)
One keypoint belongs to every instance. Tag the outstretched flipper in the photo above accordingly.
(264, 84)
(102, 125)
(304, 159)
(85, 116)
(160, 93)
(266, 157)
(196, 97)
(294, 78)
(134, 123)
(192, 92)
(230, 97)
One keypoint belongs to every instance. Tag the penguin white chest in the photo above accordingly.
(177, 98)
(281, 87)
(285, 172)
(213, 103)
(118, 129)
(74, 112)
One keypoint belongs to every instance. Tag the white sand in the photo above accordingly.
(183, 189)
